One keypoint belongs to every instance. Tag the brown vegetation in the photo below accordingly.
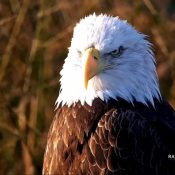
(34, 36)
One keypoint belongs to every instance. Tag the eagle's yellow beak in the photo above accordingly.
(91, 64)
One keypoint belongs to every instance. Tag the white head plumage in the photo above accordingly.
(128, 63)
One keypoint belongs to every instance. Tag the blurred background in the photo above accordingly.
(34, 36)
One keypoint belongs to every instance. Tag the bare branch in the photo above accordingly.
(12, 40)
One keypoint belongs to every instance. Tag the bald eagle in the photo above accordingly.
(110, 116)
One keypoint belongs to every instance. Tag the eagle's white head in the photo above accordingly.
(108, 58)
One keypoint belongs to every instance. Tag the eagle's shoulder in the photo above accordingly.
(133, 138)
(69, 131)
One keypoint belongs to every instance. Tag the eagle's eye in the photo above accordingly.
(79, 52)
(117, 52)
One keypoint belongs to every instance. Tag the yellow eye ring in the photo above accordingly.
(117, 52)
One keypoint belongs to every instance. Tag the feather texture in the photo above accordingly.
(111, 138)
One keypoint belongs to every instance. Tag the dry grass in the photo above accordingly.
(34, 36)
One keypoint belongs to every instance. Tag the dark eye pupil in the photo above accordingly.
(118, 51)
(114, 51)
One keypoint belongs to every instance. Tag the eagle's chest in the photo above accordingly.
(82, 140)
